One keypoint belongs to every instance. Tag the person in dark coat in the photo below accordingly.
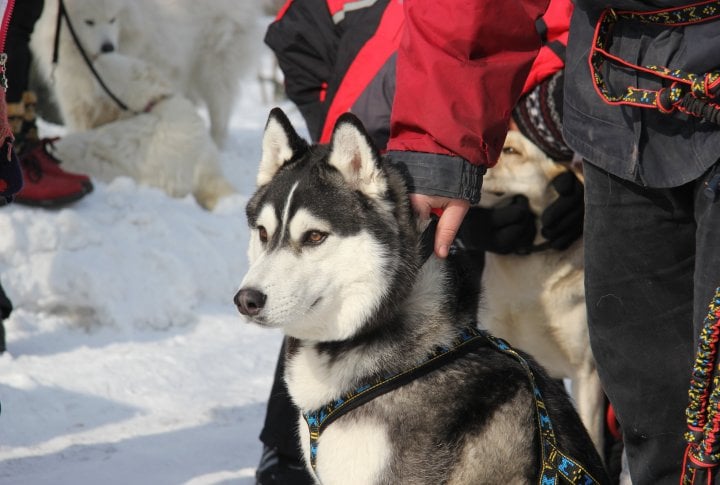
(641, 85)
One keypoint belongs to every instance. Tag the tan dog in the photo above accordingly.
(537, 301)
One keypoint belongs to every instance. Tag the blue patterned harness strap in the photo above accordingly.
(557, 467)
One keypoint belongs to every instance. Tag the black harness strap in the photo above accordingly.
(319, 419)
(62, 13)
(557, 467)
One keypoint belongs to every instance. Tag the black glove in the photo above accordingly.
(508, 227)
(562, 221)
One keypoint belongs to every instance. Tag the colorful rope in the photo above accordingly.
(703, 411)
(685, 87)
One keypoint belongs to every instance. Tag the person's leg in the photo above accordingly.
(639, 265)
(24, 16)
(281, 462)
(45, 183)
(5, 310)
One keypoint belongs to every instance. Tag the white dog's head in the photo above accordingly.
(522, 169)
(96, 23)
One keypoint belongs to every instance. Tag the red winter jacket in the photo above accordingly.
(337, 56)
(455, 97)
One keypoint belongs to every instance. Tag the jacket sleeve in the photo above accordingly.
(304, 40)
(461, 67)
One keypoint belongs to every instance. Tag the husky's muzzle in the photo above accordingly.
(250, 301)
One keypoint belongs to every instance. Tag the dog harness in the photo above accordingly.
(692, 94)
(557, 467)
(703, 412)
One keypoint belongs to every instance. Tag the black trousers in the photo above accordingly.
(652, 264)
(5, 310)
(21, 26)
(281, 418)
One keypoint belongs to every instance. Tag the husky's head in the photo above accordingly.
(97, 24)
(333, 240)
(522, 169)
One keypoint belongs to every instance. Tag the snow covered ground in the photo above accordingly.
(127, 361)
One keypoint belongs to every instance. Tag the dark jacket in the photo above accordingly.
(337, 56)
(642, 145)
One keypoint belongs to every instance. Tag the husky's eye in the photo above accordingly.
(510, 151)
(263, 234)
(89, 22)
(314, 237)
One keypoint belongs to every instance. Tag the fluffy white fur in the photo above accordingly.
(165, 145)
(301, 304)
(275, 151)
(360, 464)
(537, 301)
(204, 47)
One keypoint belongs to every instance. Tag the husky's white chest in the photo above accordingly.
(348, 453)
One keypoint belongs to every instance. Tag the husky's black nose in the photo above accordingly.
(250, 301)
(107, 47)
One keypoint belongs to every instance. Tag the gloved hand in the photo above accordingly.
(562, 221)
(508, 227)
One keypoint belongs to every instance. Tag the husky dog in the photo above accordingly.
(163, 145)
(537, 301)
(337, 262)
(202, 47)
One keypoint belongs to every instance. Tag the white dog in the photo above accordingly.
(203, 47)
(164, 145)
(537, 301)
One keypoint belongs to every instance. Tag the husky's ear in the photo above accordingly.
(353, 153)
(281, 143)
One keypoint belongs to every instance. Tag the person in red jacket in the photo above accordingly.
(336, 58)
(45, 183)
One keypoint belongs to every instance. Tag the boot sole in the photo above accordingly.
(56, 202)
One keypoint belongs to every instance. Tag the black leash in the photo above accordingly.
(62, 13)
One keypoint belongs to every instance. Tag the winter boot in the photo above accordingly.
(45, 183)
(41, 189)
(36, 147)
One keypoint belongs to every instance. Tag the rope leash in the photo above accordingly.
(689, 93)
(703, 411)
(62, 13)
(557, 467)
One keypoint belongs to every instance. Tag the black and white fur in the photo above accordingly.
(335, 262)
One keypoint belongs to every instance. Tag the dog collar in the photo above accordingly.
(557, 467)
(154, 102)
